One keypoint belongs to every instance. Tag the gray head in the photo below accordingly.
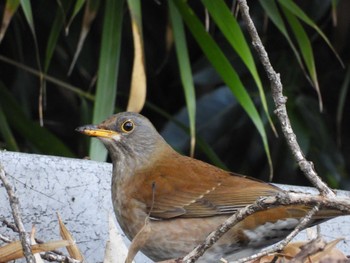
(130, 138)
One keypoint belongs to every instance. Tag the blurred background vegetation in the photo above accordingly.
(68, 63)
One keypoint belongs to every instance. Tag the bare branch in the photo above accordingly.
(9, 225)
(5, 239)
(284, 198)
(280, 103)
(52, 257)
(279, 246)
(14, 203)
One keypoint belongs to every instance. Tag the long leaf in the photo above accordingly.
(27, 10)
(334, 12)
(55, 32)
(106, 89)
(233, 33)
(138, 87)
(224, 68)
(72, 249)
(91, 10)
(295, 9)
(9, 10)
(341, 102)
(306, 51)
(273, 13)
(185, 70)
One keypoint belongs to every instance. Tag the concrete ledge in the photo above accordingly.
(80, 191)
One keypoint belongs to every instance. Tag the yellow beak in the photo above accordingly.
(94, 131)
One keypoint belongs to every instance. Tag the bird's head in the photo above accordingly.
(130, 138)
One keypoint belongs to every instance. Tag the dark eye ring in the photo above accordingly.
(128, 126)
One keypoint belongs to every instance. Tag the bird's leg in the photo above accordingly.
(139, 241)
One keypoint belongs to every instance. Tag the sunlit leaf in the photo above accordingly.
(296, 10)
(73, 249)
(185, 70)
(222, 65)
(106, 89)
(233, 33)
(306, 51)
(137, 96)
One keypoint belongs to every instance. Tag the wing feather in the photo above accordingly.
(191, 188)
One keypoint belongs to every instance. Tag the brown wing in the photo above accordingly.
(191, 188)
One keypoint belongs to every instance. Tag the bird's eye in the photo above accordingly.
(128, 126)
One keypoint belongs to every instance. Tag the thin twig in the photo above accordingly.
(284, 198)
(280, 103)
(52, 257)
(281, 245)
(5, 239)
(14, 203)
(9, 225)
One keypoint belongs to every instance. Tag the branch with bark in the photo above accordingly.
(280, 103)
(285, 198)
(16, 213)
(327, 198)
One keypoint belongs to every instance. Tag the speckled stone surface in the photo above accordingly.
(80, 191)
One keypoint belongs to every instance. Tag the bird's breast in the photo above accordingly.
(130, 212)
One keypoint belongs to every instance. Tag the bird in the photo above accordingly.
(179, 200)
